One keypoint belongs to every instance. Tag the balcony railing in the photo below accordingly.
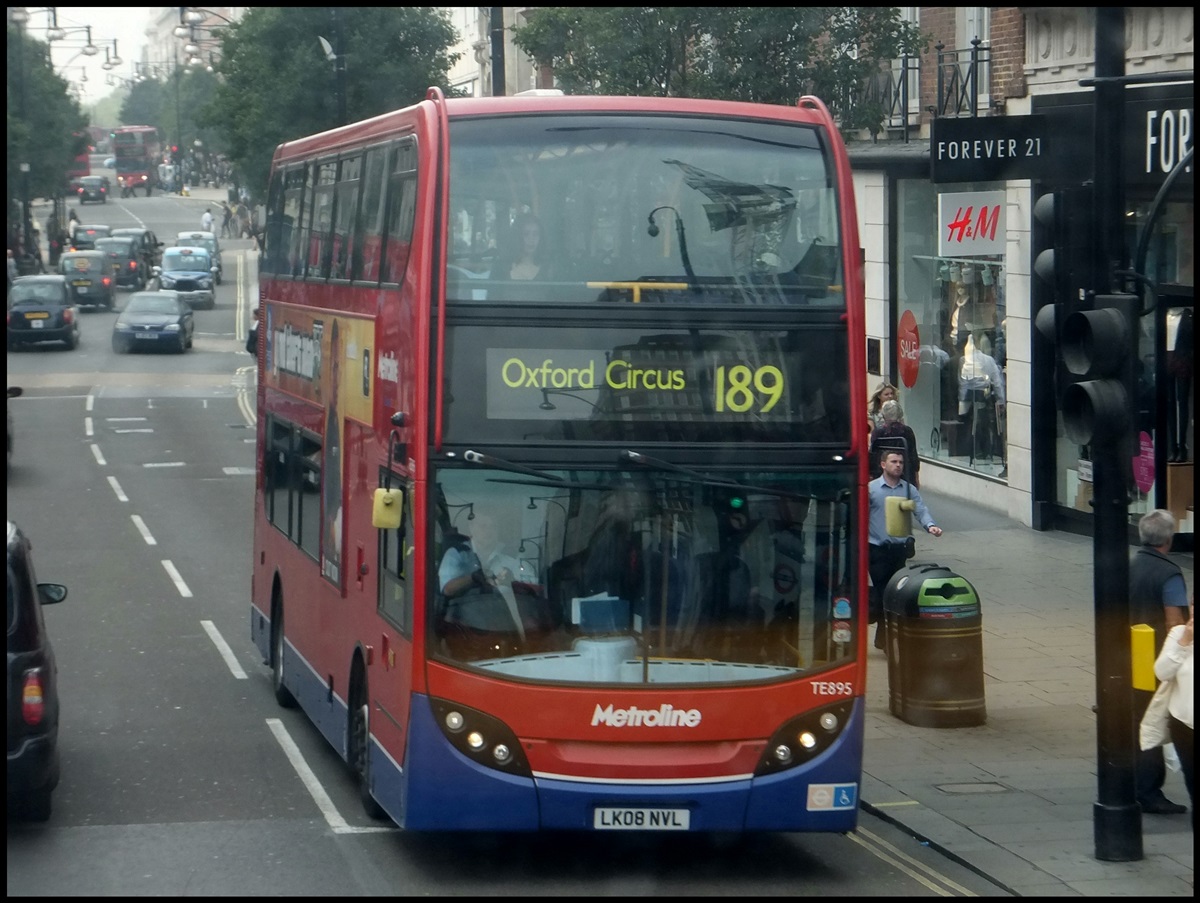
(961, 76)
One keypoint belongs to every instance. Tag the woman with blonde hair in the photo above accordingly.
(885, 391)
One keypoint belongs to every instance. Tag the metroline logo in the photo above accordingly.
(666, 715)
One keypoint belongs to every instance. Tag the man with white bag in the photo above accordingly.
(1157, 597)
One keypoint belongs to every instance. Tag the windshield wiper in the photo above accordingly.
(474, 457)
(632, 457)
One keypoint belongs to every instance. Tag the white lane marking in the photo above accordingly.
(126, 419)
(204, 403)
(96, 454)
(91, 403)
(166, 464)
(143, 429)
(238, 471)
(176, 579)
(87, 427)
(121, 496)
(231, 661)
(332, 817)
(144, 530)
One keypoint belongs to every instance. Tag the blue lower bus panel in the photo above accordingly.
(440, 788)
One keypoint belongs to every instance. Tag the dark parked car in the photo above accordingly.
(125, 260)
(33, 764)
(89, 278)
(41, 309)
(154, 320)
(206, 240)
(190, 272)
(148, 244)
(91, 188)
(83, 238)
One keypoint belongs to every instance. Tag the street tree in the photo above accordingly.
(277, 84)
(760, 54)
(42, 119)
(144, 104)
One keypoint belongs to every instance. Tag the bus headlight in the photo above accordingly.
(480, 737)
(803, 738)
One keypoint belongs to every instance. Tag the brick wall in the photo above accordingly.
(1008, 52)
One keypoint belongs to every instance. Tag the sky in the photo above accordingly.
(124, 24)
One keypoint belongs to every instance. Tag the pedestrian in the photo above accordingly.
(226, 220)
(885, 391)
(895, 433)
(243, 218)
(12, 268)
(1157, 597)
(887, 554)
(206, 221)
(1174, 664)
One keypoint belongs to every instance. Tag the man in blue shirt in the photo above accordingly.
(887, 554)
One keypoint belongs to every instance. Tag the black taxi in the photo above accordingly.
(90, 278)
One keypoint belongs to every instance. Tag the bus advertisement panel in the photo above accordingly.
(560, 517)
(137, 152)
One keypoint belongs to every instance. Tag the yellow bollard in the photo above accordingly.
(1141, 640)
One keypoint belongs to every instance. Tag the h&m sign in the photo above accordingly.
(971, 224)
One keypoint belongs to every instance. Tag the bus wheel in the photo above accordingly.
(283, 695)
(360, 742)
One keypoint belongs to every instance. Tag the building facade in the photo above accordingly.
(946, 199)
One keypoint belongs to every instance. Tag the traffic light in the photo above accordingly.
(1061, 223)
(1098, 350)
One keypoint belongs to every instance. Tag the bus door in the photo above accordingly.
(390, 673)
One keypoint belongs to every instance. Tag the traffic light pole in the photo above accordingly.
(1117, 817)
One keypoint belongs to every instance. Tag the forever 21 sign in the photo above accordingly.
(990, 148)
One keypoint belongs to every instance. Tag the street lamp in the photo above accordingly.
(334, 53)
(20, 16)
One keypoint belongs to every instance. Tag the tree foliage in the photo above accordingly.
(42, 119)
(276, 84)
(761, 54)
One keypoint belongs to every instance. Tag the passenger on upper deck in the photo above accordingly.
(525, 258)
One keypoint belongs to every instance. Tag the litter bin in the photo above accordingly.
(934, 647)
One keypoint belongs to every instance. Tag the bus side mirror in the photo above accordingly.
(388, 509)
(898, 514)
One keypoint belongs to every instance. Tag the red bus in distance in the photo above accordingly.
(137, 150)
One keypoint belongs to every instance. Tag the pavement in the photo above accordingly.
(1013, 799)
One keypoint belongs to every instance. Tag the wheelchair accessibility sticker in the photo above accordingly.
(832, 796)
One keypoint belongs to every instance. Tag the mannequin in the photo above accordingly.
(1180, 337)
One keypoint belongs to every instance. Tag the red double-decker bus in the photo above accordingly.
(560, 513)
(138, 152)
(82, 164)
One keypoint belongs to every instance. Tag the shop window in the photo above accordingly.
(953, 387)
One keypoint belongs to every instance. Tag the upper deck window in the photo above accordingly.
(652, 209)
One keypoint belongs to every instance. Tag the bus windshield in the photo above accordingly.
(653, 209)
(653, 575)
